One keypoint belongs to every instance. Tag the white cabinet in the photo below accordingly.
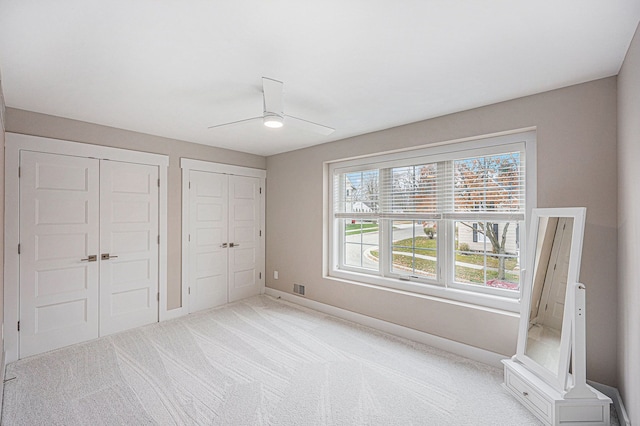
(538, 401)
(551, 406)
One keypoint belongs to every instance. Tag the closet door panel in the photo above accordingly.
(128, 245)
(555, 285)
(208, 233)
(244, 233)
(58, 232)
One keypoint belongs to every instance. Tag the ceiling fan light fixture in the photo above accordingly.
(273, 121)
(273, 111)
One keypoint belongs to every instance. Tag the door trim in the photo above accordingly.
(19, 142)
(187, 165)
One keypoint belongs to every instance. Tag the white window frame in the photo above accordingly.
(482, 296)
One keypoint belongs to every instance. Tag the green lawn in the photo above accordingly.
(426, 246)
(358, 228)
(420, 243)
(474, 259)
(476, 276)
(492, 261)
(425, 266)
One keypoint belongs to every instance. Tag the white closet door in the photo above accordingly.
(58, 233)
(555, 287)
(208, 238)
(245, 253)
(128, 245)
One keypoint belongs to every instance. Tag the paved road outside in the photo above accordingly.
(356, 255)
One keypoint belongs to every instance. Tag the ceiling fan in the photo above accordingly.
(274, 116)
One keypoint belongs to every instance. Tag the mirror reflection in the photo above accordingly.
(551, 268)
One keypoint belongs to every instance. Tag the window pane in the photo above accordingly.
(492, 183)
(414, 248)
(488, 254)
(361, 243)
(360, 192)
(413, 189)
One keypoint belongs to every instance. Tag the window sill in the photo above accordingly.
(473, 299)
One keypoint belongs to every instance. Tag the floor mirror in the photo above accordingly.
(548, 372)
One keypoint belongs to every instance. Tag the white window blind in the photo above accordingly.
(490, 186)
(461, 188)
(356, 194)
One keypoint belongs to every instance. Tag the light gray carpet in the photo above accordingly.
(260, 361)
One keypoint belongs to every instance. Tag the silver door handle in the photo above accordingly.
(234, 245)
(224, 245)
(90, 258)
(107, 256)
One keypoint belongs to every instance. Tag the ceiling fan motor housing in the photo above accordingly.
(273, 120)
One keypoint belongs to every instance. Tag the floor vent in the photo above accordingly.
(298, 289)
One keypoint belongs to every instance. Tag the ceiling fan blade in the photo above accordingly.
(309, 125)
(234, 122)
(273, 93)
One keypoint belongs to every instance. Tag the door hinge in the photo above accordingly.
(261, 190)
(260, 233)
(158, 239)
(260, 275)
(18, 248)
(189, 185)
(19, 172)
(158, 296)
(18, 325)
(158, 183)
(189, 290)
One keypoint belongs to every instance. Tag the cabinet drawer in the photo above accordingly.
(529, 395)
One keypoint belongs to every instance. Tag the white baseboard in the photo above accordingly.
(471, 352)
(615, 396)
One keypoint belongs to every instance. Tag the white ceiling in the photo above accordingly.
(174, 67)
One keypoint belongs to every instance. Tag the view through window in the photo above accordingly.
(437, 218)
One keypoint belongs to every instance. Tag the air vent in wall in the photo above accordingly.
(298, 289)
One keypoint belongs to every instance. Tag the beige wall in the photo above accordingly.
(629, 230)
(30, 123)
(576, 148)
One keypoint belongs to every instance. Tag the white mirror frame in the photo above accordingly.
(560, 381)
